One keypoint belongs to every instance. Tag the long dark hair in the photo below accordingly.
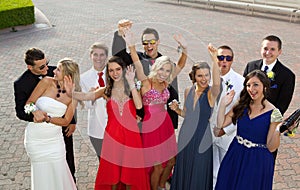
(110, 81)
(245, 99)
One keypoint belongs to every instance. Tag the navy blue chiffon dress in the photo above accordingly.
(194, 163)
(248, 163)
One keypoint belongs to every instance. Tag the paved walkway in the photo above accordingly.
(79, 23)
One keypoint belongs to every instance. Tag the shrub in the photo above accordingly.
(16, 12)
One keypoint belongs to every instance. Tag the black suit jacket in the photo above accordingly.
(119, 49)
(23, 88)
(282, 87)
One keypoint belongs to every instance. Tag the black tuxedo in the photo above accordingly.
(23, 88)
(282, 87)
(119, 49)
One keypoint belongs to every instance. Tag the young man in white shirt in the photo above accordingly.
(89, 80)
(230, 80)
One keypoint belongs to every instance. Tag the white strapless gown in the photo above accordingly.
(45, 146)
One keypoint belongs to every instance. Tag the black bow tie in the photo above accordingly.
(41, 76)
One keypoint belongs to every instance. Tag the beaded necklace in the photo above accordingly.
(59, 90)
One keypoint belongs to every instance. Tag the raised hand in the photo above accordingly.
(128, 36)
(123, 24)
(130, 74)
(180, 40)
(213, 52)
(69, 85)
(227, 99)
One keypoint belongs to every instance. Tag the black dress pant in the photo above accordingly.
(69, 152)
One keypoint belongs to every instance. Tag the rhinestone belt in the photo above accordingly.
(248, 143)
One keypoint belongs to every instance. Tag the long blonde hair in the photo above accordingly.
(159, 63)
(71, 68)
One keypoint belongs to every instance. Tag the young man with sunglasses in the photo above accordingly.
(150, 41)
(230, 80)
(37, 67)
(282, 78)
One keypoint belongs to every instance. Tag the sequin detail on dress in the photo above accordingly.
(120, 103)
(154, 97)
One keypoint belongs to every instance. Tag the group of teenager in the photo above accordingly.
(229, 131)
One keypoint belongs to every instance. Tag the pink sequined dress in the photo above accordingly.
(158, 135)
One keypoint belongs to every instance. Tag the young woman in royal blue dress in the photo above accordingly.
(248, 163)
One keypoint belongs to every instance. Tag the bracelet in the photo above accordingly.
(29, 108)
(278, 129)
(49, 119)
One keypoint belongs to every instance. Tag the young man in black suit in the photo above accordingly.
(37, 67)
(282, 78)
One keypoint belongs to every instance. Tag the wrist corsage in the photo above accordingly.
(138, 85)
(29, 108)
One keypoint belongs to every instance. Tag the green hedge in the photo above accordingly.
(16, 13)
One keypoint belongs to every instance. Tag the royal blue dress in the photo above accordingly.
(194, 163)
(248, 168)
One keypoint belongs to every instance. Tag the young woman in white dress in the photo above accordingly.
(44, 141)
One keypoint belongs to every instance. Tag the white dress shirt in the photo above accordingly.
(270, 66)
(236, 80)
(97, 115)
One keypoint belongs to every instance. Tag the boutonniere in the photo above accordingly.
(228, 85)
(271, 75)
(138, 84)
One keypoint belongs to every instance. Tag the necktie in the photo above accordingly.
(152, 61)
(266, 69)
(100, 80)
(221, 90)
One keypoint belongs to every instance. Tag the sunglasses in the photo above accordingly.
(222, 57)
(43, 66)
(146, 42)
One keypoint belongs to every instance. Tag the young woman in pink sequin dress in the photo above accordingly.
(158, 136)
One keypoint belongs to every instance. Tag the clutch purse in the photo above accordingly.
(294, 118)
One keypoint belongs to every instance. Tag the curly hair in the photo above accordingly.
(110, 81)
(197, 66)
(245, 99)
